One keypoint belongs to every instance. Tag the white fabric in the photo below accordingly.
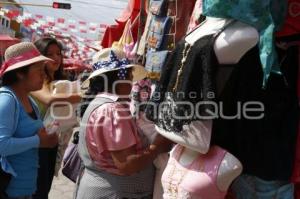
(65, 114)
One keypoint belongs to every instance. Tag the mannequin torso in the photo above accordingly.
(232, 43)
(197, 178)
(229, 47)
(229, 169)
(196, 139)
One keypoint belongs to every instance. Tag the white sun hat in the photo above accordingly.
(110, 61)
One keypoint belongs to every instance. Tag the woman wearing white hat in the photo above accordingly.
(45, 97)
(116, 164)
(21, 128)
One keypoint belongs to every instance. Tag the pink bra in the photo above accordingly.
(196, 180)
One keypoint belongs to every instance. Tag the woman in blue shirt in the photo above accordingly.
(21, 129)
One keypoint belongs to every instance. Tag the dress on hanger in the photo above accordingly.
(189, 76)
(196, 180)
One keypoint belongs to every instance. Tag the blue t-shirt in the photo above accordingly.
(20, 147)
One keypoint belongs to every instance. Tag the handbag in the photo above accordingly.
(159, 27)
(158, 7)
(126, 42)
(154, 63)
(72, 162)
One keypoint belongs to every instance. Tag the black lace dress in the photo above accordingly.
(186, 80)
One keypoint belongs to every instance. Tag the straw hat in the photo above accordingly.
(103, 54)
(21, 55)
(112, 60)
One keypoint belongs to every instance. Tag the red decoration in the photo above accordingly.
(13, 14)
(72, 26)
(60, 20)
(57, 32)
(82, 22)
(74, 64)
(103, 26)
(51, 23)
(39, 16)
(43, 27)
(28, 22)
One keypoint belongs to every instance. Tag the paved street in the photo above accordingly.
(62, 188)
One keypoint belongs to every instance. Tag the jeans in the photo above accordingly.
(251, 187)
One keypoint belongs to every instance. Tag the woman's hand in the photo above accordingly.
(47, 140)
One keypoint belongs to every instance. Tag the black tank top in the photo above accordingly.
(265, 146)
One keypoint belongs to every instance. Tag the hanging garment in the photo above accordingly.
(265, 146)
(140, 95)
(154, 63)
(286, 43)
(266, 16)
(131, 11)
(296, 172)
(158, 29)
(195, 19)
(126, 41)
(196, 180)
(292, 21)
(158, 7)
(195, 83)
(114, 32)
(143, 41)
(180, 11)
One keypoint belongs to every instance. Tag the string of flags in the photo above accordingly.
(59, 25)
(77, 47)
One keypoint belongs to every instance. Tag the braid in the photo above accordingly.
(96, 86)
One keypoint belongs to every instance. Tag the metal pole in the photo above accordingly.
(26, 4)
